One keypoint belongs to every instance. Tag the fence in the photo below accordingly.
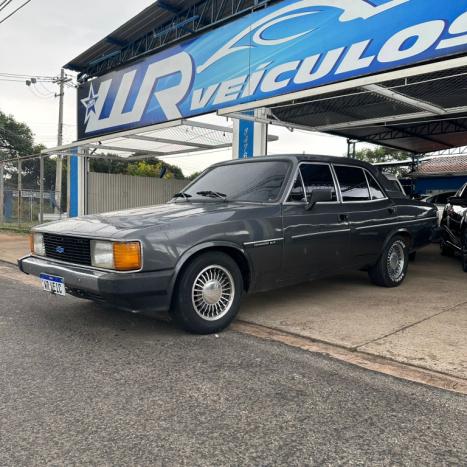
(23, 197)
(112, 192)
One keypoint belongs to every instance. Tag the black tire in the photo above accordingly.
(446, 250)
(209, 277)
(413, 256)
(386, 273)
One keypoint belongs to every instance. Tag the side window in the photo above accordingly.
(315, 177)
(297, 194)
(375, 190)
(353, 183)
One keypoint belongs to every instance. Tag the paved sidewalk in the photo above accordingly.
(423, 323)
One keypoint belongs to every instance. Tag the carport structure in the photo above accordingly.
(166, 140)
(388, 72)
(420, 110)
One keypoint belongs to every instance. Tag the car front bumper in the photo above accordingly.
(137, 292)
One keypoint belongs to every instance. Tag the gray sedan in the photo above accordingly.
(241, 227)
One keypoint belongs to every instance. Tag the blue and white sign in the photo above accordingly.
(291, 46)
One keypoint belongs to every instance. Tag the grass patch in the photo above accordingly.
(23, 230)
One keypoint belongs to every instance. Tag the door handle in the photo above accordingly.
(343, 218)
(392, 210)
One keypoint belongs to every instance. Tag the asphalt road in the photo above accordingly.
(82, 385)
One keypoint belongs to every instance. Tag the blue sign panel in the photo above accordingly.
(246, 138)
(291, 46)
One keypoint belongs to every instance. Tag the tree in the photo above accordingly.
(193, 176)
(149, 168)
(381, 154)
(16, 139)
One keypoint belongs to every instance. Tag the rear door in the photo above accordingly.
(316, 240)
(371, 214)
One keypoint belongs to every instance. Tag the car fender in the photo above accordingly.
(188, 254)
(399, 231)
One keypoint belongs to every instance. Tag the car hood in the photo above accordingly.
(114, 223)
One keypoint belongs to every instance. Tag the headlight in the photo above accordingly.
(102, 254)
(120, 256)
(37, 244)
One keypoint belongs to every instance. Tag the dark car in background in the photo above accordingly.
(240, 227)
(440, 200)
(454, 227)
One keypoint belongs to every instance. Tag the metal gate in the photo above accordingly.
(113, 192)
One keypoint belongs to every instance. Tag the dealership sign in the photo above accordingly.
(291, 46)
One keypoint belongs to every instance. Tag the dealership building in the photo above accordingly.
(386, 72)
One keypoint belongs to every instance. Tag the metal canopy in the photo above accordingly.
(162, 23)
(157, 141)
(418, 110)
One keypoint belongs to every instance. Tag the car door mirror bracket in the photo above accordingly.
(318, 196)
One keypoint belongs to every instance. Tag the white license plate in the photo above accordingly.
(53, 284)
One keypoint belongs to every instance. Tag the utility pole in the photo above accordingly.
(58, 173)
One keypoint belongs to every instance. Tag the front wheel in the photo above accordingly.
(391, 269)
(208, 294)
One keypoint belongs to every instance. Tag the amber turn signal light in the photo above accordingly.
(127, 256)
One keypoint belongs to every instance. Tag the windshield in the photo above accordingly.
(259, 182)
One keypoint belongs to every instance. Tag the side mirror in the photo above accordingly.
(319, 196)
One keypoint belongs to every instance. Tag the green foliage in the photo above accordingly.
(16, 139)
(193, 176)
(380, 154)
(150, 168)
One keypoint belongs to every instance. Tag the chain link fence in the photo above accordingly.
(24, 201)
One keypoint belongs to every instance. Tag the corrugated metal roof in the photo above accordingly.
(150, 18)
(360, 114)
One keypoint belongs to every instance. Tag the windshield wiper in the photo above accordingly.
(212, 194)
(183, 195)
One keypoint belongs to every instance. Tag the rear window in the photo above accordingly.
(353, 184)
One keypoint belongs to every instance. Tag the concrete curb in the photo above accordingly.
(361, 359)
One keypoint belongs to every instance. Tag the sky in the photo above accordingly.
(46, 34)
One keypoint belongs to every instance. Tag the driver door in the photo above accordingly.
(316, 240)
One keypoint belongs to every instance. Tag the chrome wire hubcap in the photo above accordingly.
(396, 261)
(213, 293)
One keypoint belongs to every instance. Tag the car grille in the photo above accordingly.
(69, 249)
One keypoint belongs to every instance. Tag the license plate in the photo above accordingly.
(53, 284)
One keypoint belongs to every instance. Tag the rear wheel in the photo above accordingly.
(391, 269)
(208, 294)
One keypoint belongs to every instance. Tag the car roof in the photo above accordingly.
(304, 158)
(297, 158)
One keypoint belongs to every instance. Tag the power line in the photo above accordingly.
(15, 11)
(4, 4)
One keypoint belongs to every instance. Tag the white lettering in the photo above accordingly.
(254, 80)
(426, 34)
(201, 97)
(354, 60)
(168, 98)
(230, 90)
(272, 82)
(459, 26)
(307, 71)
